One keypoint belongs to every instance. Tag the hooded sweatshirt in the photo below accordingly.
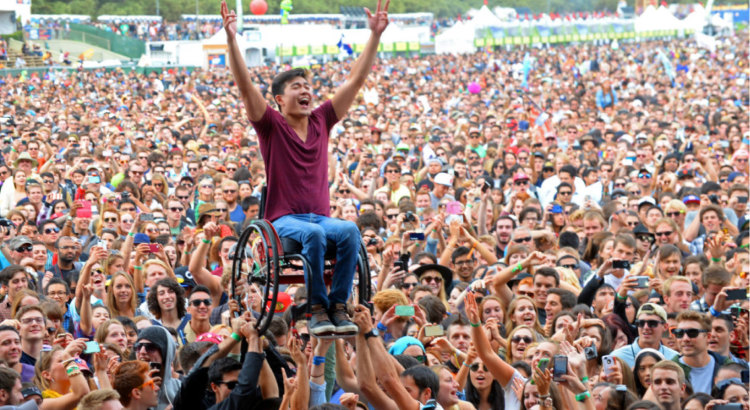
(167, 346)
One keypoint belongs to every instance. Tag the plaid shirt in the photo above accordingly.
(700, 305)
(5, 308)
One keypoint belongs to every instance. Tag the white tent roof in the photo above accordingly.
(458, 39)
(667, 19)
(484, 18)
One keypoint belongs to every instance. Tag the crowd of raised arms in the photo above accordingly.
(566, 234)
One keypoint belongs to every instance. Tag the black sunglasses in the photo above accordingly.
(198, 302)
(475, 367)
(150, 347)
(25, 248)
(651, 323)
(522, 240)
(691, 333)
(230, 385)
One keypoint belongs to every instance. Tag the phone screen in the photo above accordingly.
(404, 310)
(92, 347)
(85, 210)
(560, 367)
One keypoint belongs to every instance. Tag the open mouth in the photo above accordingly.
(527, 319)
(304, 102)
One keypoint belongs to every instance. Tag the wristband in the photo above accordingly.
(518, 268)
(470, 205)
(716, 260)
(713, 312)
(620, 298)
(319, 360)
(475, 324)
(583, 396)
(381, 327)
(74, 374)
(584, 379)
(136, 267)
(204, 240)
(131, 234)
(235, 336)
(466, 363)
(72, 369)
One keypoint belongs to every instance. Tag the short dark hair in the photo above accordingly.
(56, 281)
(200, 288)
(461, 251)
(548, 272)
(567, 298)
(8, 378)
(424, 378)
(221, 366)
(279, 82)
(7, 274)
(433, 307)
(190, 353)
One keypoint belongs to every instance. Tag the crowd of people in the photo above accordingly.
(571, 233)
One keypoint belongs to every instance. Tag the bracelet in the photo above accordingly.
(544, 396)
(621, 298)
(317, 375)
(235, 336)
(470, 205)
(381, 327)
(475, 324)
(131, 234)
(713, 312)
(517, 268)
(583, 396)
(716, 259)
(584, 379)
(138, 267)
(204, 240)
(319, 360)
(466, 363)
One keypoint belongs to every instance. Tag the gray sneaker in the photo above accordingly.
(340, 318)
(319, 324)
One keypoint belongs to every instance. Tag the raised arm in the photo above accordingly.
(501, 371)
(255, 104)
(346, 94)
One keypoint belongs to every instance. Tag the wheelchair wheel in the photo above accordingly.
(265, 248)
(364, 287)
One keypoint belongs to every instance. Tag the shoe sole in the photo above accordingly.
(347, 330)
(321, 331)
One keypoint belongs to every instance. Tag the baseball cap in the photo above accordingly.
(520, 176)
(691, 198)
(652, 309)
(444, 179)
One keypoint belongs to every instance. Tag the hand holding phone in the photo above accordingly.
(560, 367)
(92, 347)
(434, 331)
(85, 210)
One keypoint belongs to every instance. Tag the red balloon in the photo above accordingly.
(258, 7)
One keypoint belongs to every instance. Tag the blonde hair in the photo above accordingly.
(111, 303)
(43, 365)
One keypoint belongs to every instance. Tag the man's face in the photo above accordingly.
(711, 221)
(667, 387)
(32, 326)
(464, 267)
(413, 389)
(623, 252)
(58, 293)
(147, 351)
(17, 282)
(296, 98)
(222, 389)
(604, 296)
(541, 285)
(692, 346)
(10, 347)
(719, 336)
(203, 308)
(67, 250)
(647, 333)
(460, 337)
(503, 230)
(230, 193)
(553, 305)
(681, 294)
(591, 227)
(50, 233)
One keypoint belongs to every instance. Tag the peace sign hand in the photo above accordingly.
(378, 21)
(230, 20)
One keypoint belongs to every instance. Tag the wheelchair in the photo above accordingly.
(279, 261)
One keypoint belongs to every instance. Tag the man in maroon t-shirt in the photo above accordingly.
(294, 145)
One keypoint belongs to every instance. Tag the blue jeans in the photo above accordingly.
(312, 231)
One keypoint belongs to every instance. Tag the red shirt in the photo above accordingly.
(296, 170)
